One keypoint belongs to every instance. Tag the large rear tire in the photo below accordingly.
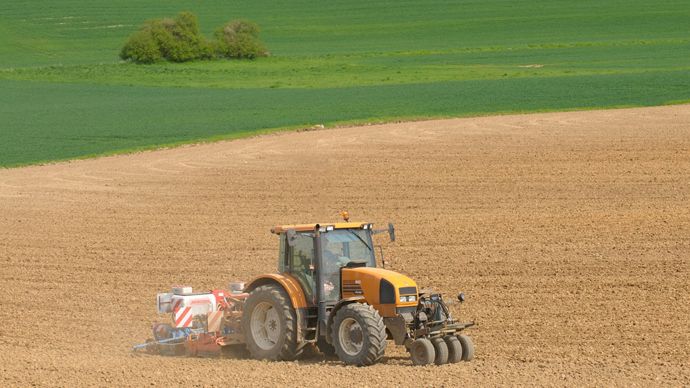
(358, 335)
(269, 324)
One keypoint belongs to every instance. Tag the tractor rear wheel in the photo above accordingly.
(422, 352)
(358, 335)
(441, 350)
(269, 324)
(454, 349)
(467, 347)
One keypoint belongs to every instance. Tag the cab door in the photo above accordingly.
(300, 263)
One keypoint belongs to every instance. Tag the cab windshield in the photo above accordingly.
(339, 248)
(345, 245)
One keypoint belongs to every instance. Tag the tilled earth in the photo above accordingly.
(568, 232)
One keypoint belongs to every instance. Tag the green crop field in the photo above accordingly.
(64, 93)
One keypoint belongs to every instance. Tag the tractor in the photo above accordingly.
(329, 292)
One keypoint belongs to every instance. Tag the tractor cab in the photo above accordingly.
(315, 254)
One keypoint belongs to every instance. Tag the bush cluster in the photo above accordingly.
(179, 40)
(239, 39)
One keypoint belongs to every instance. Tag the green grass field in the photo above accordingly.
(65, 94)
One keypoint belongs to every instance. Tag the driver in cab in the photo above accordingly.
(333, 261)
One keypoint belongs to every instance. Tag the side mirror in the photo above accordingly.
(291, 237)
(391, 231)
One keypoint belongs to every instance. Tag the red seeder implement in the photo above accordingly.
(201, 322)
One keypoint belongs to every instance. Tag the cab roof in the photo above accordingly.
(311, 227)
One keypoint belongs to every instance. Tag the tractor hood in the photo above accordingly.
(385, 290)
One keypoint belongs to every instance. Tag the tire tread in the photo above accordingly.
(373, 327)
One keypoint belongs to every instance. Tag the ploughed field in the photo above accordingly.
(568, 232)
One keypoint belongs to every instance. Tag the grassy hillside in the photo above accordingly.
(64, 93)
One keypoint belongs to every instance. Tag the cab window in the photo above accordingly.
(301, 263)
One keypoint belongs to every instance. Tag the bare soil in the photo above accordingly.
(568, 232)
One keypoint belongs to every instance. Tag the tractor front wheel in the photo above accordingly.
(358, 335)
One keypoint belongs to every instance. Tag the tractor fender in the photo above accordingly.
(287, 282)
(338, 306)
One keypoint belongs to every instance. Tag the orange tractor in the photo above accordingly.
(329, 292)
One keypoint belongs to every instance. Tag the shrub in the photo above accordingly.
(141, 47)
(240, 39)
(179, 40)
